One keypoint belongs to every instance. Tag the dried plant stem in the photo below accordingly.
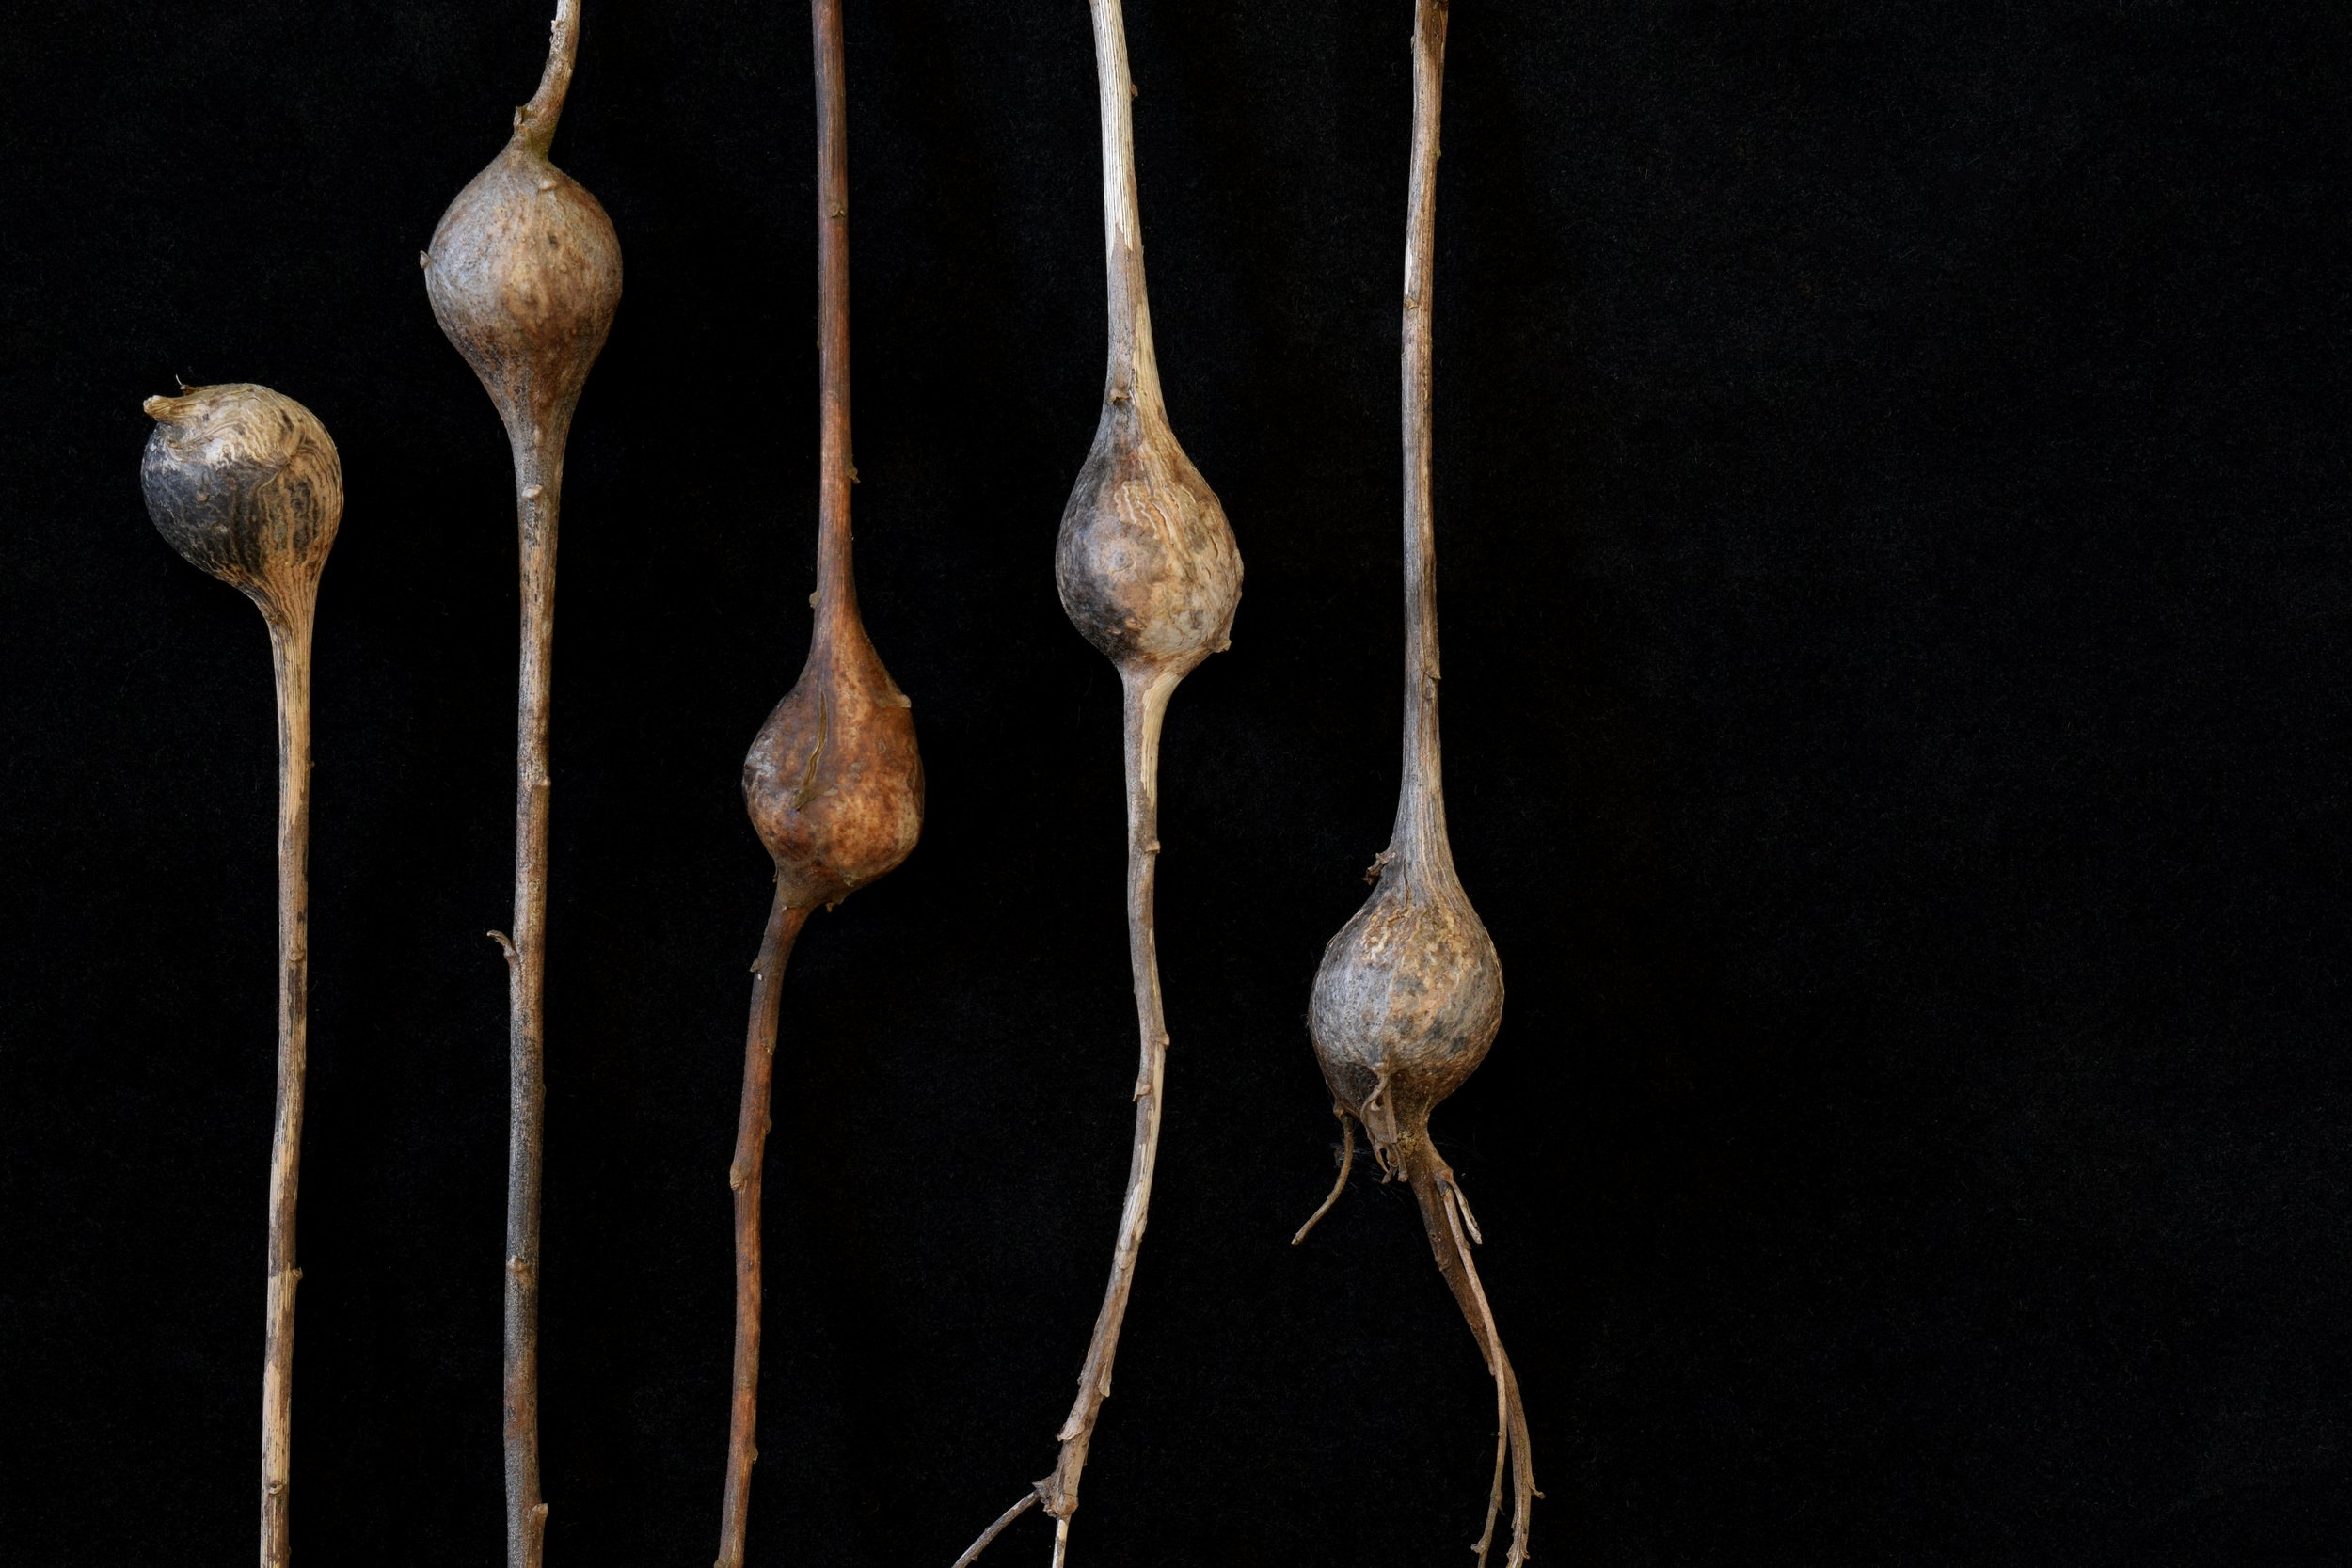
(1148, 572)
(1133, 364)
(536, 507)
(245, 483)
(1421, 835)
(290, 660)
(536, 119)
(1133, 375)
(1421, 826)
(538, 454)
(1147, 695)
(524, 273)
(744, 1177)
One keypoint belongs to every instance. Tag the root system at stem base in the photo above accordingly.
(1442, 1211)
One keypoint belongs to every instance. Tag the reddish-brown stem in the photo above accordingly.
(744, 1177)
(836, 621)
(837, 585)
(290, 660)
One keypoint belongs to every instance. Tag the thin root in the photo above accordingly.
(1445, 1217)
(1461, 1201)
(1348, 1160)
(1380, 1118)
(972, 1553)
(1510, 1415)
(1455, 1214)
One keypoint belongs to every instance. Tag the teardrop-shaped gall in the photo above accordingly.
(525, 275)
(1145, 561)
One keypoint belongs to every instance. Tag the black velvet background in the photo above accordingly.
(1892, 525)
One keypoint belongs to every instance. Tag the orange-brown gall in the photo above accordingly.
(833, 782)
